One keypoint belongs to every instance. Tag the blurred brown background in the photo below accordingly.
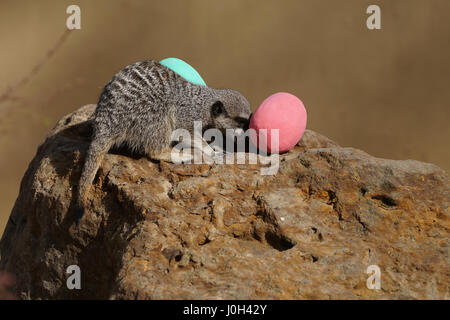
(384, 91)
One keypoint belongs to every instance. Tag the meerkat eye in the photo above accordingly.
(217, 108)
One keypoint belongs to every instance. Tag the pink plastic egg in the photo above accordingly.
(282, 111)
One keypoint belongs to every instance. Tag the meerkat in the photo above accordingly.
(142, 105)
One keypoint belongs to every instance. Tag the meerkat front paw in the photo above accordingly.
(173, 157)
(191, 155)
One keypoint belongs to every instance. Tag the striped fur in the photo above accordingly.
(141, 106)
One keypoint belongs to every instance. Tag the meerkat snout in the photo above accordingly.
(243, 122)
(231, 111)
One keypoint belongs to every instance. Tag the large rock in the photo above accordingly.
(163, 231)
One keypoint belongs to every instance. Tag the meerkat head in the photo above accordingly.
(230, 110)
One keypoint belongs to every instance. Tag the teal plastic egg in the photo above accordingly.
(184, 70)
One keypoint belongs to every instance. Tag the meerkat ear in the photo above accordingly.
(217, 108)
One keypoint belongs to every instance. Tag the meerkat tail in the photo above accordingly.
(94, 157)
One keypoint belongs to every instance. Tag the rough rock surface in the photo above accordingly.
(163, 231)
